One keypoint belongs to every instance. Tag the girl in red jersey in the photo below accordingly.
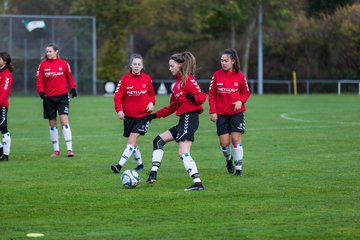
(186, 100)
(134, 99)
(53, 76)
(6, 80)
(228, 93)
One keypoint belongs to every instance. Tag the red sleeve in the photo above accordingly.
(40, 79)
(212, 96)
(69, 76)
(5, 87)
(193, 87)
(151, 93)
(168, 110)
(119, 93)
(244, 91)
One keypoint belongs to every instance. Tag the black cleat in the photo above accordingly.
(152, 177)
(238, 173)
(4, 158)
(230, 166)
(196, 187)
(139, 168)
(116, 168)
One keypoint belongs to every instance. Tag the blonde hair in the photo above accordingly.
(188, 64)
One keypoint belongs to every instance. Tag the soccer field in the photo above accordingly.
(301, 175)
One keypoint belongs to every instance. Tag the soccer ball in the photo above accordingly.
(130, 178)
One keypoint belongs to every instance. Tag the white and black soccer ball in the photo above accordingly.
(130, 178)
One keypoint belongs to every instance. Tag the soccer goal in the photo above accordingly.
(343, 82)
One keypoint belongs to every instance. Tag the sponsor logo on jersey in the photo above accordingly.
(136, 92)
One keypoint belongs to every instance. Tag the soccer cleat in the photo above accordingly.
(152, 177)
(55, 154)
(70, 153)
(230, 166)
(116, 168)
(4, 158)
(139, 168)
(196, 187)
(238, 173)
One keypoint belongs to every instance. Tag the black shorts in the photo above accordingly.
(135, 125)
(3, 120)
(55, 104)
(230, 123)
(186, 128)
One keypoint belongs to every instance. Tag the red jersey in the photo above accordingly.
(133, 94)
(52, 76)
(5, 86)
(178, 101)
(225, 89)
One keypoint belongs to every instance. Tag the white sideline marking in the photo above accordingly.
(286, 116)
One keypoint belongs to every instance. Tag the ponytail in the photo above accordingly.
(233, 55)
(188, 64)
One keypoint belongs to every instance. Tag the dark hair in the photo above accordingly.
(53, 46)
(233, 55)
(132, 57)
(7, 58)
(188, 64)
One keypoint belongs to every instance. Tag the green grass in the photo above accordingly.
(301, 175)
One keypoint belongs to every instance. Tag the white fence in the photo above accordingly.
(163, 87)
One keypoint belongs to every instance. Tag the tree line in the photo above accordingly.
(317, 39)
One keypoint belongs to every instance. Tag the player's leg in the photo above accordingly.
(138, 159)
(237, 129)
(6, 139)
(54, 137)
(66, 130)
(140, 128)
(133, 141)
(158, 151)
(130, 146)
(223, 131)
(63, 109)
(49, 108)
(187, 127)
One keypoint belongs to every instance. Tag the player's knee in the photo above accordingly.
(158, 143)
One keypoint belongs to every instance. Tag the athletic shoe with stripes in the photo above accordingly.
(196, 187)
(70, 153)
(230, 166)
(55, 154)
(139, 168)
(238, 173)
(116, 168)
(152, 177)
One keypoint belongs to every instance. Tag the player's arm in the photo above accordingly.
(69, 77)
(194, 93)
(40, 79)
(244, 91)
(168, 110)
(118, 97)
(212, 96)
(151, 93)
